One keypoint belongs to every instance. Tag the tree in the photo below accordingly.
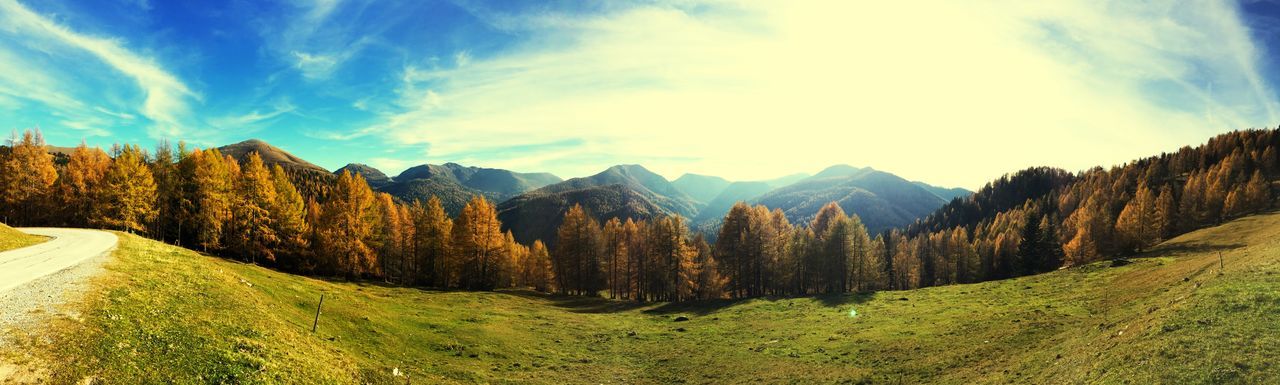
(826, 215)
(733, 247)
(479, 245)
(576, 260)
(837, 252)
(876, 269)
(388, 236)
(288, 214)
(636, 264)
(345, 227)
(211, 188)
(27, 175)
(863, 266)
(1092, 231)
(127, 197)
(164, 171)
(705, 273)
(433, 232)
(536, 268)
(1166, 213)
(254, 233)
(1137, 227)
(1257, 193)
(615, 252)
(906, 267)
(80, 182)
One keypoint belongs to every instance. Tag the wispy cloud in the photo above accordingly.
(316, 43)
(254, 117)
(165, 100)
(751, 89)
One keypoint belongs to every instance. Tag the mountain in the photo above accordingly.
(624, 191)
(651, 186)
(502, 182)
(881, 199)
(734, 193)
(537, 215)
(453, 196)
(270, 155)
(702, 188)
(946, 194)
(455, 184)
(373, 176)
(786, 180)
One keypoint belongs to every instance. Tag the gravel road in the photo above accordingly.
(36, 280)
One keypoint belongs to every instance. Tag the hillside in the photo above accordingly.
(734, 193)
(453, 196)
(164, 313)
(455, 184)
(270, 155)
(12, 239)
(881, 199)
(647, 184)
(702, 188)
(531, 217)
(947, 194)
(624, 191)
(373, 176)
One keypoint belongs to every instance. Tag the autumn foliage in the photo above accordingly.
(1032, 221)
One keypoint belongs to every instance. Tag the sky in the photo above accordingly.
(954, 93)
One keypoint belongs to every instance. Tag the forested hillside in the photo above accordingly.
(374, 177)
(455, 184)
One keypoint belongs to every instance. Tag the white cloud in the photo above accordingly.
(462, 58)
(952, 93)
(314, 66)
(253, 117)
(120, 115)
(165, 96)
(313, 40)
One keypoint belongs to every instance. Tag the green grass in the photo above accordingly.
(166, 314)
(12, 239)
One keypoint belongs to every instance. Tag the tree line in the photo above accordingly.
(1036, 220)
(1032, 221)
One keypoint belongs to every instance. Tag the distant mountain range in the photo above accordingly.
(453, 183)
(625, 191)
(881, 199)
(531, 205)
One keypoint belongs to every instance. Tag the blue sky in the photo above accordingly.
(953, 93)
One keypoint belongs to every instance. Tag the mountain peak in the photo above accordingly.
(269, 154)
(839, 170)
(629, 168)
(375, 177)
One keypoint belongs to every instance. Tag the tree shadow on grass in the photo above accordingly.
(598, 305)
(1184, 248)
(846, 298)
(579, 304)
(699, 307)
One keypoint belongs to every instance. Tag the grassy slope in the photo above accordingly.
(166, 313)
(12, 239)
